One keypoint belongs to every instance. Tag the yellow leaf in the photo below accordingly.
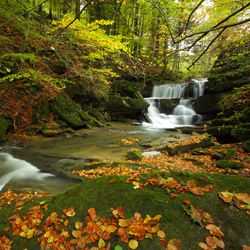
(148, 236)
(22, 234)
(136, 185)
(111, 229)
(77, 234)
(101, 243)
(50, 239)
(133, 244)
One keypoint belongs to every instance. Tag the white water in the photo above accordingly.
(15, 169)
(183, 114)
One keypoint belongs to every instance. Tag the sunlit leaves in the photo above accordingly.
(239, 200)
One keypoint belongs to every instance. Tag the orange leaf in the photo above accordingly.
(111, 229)
(187, 201)
(172, 195)
(214, 230)
(70, 212)
(210, 241)
(161, 234)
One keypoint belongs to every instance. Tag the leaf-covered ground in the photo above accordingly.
(132, 206)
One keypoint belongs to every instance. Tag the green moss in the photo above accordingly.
(135, 155)
(4, 124)
(229, 164)
(102, 195)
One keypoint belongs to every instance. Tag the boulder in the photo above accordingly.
(246, 146)
(4, 124)
(69, 111)
(207, 104)
(135, 155)
(167, 106)
(229, 164)
(125, 107)
(97, 114)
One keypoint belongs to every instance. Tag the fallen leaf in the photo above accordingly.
(226, 196)
(214, 230)
(101, 243)
(161, 234)
(172, 195)
(187, 201)
(133, 244)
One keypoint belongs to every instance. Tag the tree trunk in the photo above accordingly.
(78, 8)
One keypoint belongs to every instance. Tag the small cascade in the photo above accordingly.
(15, 169)
(181, 115)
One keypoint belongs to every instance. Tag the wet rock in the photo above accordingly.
(135, 155)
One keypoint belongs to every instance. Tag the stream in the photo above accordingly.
(33, 163)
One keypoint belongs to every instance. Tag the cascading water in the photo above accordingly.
(182, 114)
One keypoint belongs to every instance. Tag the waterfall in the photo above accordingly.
(183, 114)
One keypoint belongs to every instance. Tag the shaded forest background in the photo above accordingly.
(54, 50)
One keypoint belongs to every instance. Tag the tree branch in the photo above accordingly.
(84, 7)
(216, 27)
(24, 13)
(157, 7)
(209, 45)
(193, 12)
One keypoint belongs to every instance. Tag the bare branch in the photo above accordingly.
(217, 26)
(27, 11)
(209, 45)
(193, 12)
(84, 7)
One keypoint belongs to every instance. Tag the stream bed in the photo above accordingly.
(35, 159)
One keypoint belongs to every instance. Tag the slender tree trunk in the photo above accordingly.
(78, 8)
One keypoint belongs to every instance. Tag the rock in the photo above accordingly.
(198, 142)
(135, 155)
(127, 88)
(125, 106)
(97, 114)
(246, 146)
(217, 155)
(229, 164)
(207, 104)
(107, 117)
(167, 106)
(4, 124)
(69, 111)
(231, 153)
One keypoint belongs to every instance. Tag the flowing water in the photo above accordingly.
(32, 164)
(183, 114)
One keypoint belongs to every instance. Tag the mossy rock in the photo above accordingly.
(4, 124)
(109, 192)
(69, 111)
(229, 164)
(135, 155)
(107, 117)
(127, 88)
(126, 106)
(231, 153)
(179, 148)
(97, 114)
(246, 146)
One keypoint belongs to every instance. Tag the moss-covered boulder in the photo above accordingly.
(127, 88)
(4, 124)
(246, 146)
(135, 155)
(97, 114)
(125, 107)
(229, 164)
(198, 142)
(69, 111)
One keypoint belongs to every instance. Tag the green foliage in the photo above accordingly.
(34, 78)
